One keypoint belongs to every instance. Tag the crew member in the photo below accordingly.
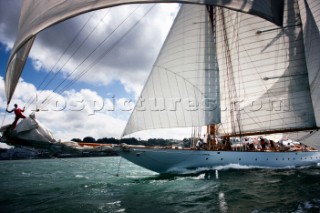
(18, 112)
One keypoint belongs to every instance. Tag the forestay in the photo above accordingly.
(37, 15)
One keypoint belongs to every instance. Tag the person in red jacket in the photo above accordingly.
(18, 112)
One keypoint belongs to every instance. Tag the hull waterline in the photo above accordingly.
(173, 161)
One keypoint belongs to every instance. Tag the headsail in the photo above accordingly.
(37, 15)
(182, 89)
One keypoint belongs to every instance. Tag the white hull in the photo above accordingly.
(170, 160)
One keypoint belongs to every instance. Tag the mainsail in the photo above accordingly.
(263, 73)
(258, 78)
(37, 15)
(310, 15)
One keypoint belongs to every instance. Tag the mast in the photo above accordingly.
(211, 128)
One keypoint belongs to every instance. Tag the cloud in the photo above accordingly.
(77, 114)
(9, 19)
(67, 121)
(104, 51)
(174, 133)
(128, 61)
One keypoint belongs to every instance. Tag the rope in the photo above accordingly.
(4, 117)
(29, 102)
(97, 59)
(308, 135)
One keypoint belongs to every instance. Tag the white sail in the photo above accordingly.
(182, 89)
(37, 15)
(263, 73)
(310, 14)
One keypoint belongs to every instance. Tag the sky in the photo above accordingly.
(88, 68)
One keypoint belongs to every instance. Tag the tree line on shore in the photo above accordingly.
(186, 142)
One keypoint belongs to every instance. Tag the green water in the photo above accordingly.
(90, 185)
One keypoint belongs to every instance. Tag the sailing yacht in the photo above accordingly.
(240, 75)
(241, 68)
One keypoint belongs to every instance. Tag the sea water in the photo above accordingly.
(109, 184)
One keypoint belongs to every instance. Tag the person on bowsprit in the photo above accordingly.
(18, 112)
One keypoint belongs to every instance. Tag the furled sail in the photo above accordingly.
(182, 89)
(310, 15)
(263, 74)
(37, 15)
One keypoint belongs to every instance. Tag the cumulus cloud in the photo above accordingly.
(127, 59)
(77, 114)
(9, 19)
(62, 117)
(109, 48)
(123, 57)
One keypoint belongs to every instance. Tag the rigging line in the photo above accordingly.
(285, 76)
(64, 52)
(135, 108)
(308, 135)
(257, 73)
(278, 28)
(198, 46)
(237, 47)
(230, 73)
(4, 117)
(184, 79)
(100, 44)
(76, 50)
(90, 66)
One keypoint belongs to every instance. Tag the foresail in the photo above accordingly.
(310, 14)
(263, 74)
(182, 89)
(37, 15)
